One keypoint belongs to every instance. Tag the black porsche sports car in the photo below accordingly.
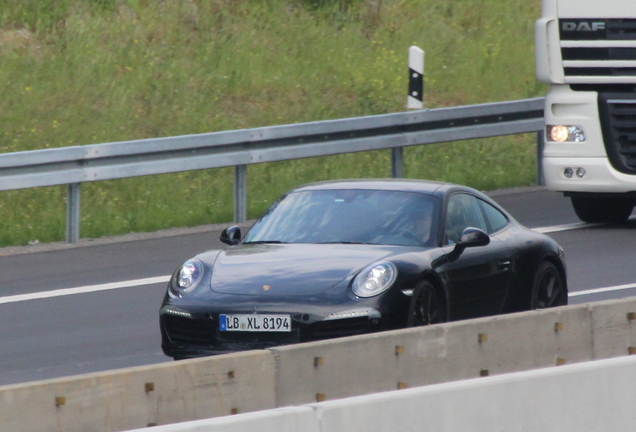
(348, 257)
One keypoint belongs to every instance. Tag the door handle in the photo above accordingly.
(504, 265)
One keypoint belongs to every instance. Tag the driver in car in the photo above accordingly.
(422, 221)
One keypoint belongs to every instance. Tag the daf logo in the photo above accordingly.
(583, 26)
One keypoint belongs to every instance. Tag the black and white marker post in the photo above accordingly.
(415, 100)
(416, 78)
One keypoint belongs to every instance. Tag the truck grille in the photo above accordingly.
(602, 50)
(618, 119)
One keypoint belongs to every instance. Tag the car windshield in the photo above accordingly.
(349, 216)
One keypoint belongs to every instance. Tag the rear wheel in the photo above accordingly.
(548, 289)
(602, 209)
(427, 306)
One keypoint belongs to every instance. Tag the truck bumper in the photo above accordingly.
(599, 177)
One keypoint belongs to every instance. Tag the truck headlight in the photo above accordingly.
(562, 133)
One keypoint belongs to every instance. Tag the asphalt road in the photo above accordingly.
(49, 333)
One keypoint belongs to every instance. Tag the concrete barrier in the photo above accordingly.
(423, 356)
(322, 371)
(290, 419)
(613, 326)
(142, 396)
(591, 396)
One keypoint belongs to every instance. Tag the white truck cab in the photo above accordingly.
(586, 51)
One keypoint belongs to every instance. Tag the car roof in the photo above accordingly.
(405, 185)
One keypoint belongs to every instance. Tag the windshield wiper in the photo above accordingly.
(265, 242)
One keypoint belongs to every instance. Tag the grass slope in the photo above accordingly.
(80, 72)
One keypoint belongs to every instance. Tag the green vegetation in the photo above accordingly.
(78, 72)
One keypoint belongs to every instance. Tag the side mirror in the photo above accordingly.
(471, 237)
(231, 235)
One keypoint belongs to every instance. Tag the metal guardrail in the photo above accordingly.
(78, 164)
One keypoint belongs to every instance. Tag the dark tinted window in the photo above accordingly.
(349, 216)
(496, 219)
(463, 211)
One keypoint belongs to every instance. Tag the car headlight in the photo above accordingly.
(186, 278)
(374, 279)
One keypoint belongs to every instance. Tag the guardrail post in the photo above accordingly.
(73, 213)
(240, 193)
(397, 162)
(540, 146)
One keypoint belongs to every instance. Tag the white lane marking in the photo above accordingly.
(164, 279)
(602, 290)
(567, 227)
(84, 289)
(572, 226)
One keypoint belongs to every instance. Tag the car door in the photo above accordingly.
(479, 280)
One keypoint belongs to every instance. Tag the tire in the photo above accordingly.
(548, 289)
(427, 306)
(602, 209)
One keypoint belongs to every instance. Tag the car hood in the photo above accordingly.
(290, 269)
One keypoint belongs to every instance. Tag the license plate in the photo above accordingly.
(255, 323)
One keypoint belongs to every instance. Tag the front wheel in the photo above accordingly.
(427, 306)
(548, 289)
(602, 209)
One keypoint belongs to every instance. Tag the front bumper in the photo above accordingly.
(600, 176)
(187, 335)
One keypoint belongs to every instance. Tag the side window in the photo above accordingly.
(496, 220)
(463, 211)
